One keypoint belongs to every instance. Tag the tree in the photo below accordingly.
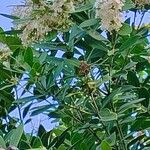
(99, 83)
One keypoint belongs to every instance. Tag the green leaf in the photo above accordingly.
(2, 143)
(131, 106)
(76, 32)
(26, 110)
(107, 115)
(96, 43)
(26, 99)
(28, 56)
(128, 44)
(49, 45)
(141, 123)
(127, 120)
(133, 79)
(110, 97)
(2, 36)
(128, 104)
(144, 93)
(88, 23)
(61, 138)
(96, 35)
(130, 65)
(16, 136)
(41, 109)
(112, 139)
(25, 144)
(42, 57)
(146, 148)
(6, 86)
(73, 62)
(9, 16)
(43, 81)
(128, 5)
(12, 32)
(126, 29)
(37, 143)
(58, 70)
(134, 142)
(126, 88)
(8, 136)
(105, 146)
(83, 8)
(41, 148)
(36, 1)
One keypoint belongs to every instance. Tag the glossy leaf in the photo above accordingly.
(16, 136)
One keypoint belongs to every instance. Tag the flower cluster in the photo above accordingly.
(142, 2)
(23, 11)
(5, 52)
(37, 19)
(109, 11)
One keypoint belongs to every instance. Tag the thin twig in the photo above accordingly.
(140, 23)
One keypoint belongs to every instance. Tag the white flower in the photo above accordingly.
(43, 18)
(5, 52)
(24, 10)
(142, 2)
(109, 11)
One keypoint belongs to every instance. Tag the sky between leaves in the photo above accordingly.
(6, 24)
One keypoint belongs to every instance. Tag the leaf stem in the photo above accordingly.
(98, 113)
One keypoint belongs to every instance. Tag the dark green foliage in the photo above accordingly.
(102, 96)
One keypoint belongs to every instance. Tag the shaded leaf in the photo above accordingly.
(2, 142)
(126, 29)
(105, 146)
(133, 79)
(16, 136)
(107, 115)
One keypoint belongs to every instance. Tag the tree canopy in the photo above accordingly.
(91, 60)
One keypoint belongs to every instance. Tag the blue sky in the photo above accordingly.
(5, 7)
(5, 23)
